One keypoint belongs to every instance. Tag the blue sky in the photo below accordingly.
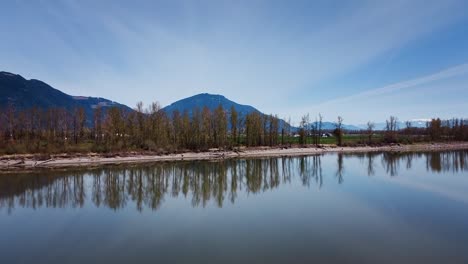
(363, 60)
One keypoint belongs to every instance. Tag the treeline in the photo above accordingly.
(114, 129)
(436, 130)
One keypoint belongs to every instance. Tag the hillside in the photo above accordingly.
(212, 101)
(25, 94)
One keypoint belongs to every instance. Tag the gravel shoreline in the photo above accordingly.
(11, 163)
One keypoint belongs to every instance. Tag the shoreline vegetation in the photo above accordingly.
(29, 162)
(57, 137)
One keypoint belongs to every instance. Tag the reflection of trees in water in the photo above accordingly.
(367, 160)
(370, 164)
(310, 168)
(391, 162)
(317, 172)
(340, 168)
(447, 161)
(35, 191)
(450, 161)
(148, 186)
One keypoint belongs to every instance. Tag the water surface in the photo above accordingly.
(332, 208)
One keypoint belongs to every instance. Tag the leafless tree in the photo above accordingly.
(391, 129)
(339, 131)
(370, 130)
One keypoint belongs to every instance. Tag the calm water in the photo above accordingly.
(334, 208)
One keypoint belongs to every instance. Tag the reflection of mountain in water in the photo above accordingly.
(148, 185)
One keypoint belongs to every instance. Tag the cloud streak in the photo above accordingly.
(444, 74)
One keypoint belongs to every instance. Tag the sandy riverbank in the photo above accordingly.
(31, 162)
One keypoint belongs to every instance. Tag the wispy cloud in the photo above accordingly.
(447, 73)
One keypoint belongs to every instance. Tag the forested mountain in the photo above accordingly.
(22, 94)
(211, 101)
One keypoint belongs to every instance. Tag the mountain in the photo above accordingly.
(332, 126)
(25, 94)
(212, 101)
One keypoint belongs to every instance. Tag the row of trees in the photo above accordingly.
(435, 130)
(115, 129)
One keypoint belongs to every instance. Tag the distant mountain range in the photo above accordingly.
(25, 94)
(332, 126)
(419, 123)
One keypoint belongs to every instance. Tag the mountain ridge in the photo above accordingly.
(24, 94)
(211, 101)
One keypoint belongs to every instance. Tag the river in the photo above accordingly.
(331, 208)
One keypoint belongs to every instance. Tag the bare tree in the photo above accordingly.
(391, 129)
(408, 124)
(10, 117)
(338, 132)
(370, 130)
(320, 121)
(435, 129)
(339, 122)
(234, 122)
(304, 129)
